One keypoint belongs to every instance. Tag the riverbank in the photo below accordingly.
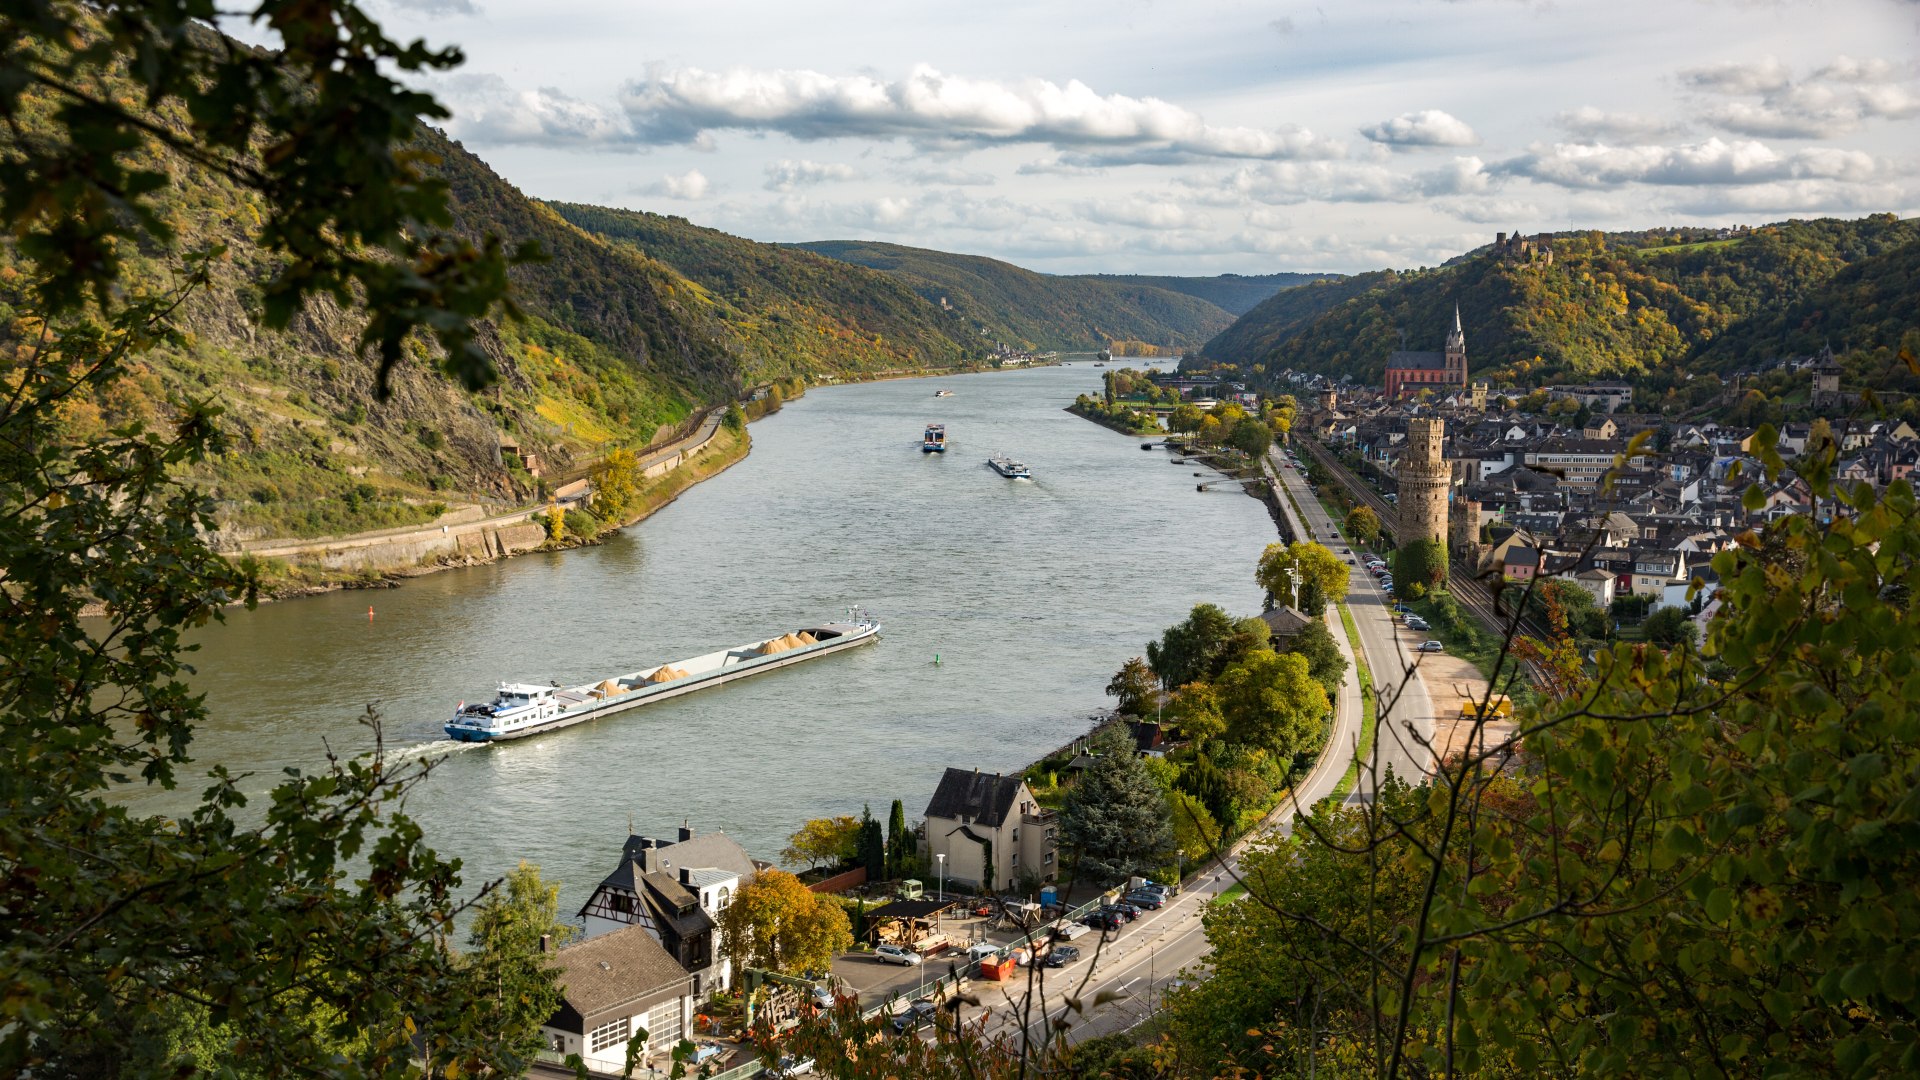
(384, 559)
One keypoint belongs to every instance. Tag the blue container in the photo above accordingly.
(1046, 896)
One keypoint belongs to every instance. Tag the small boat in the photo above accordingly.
(1009, 468)
(521, 709)
(943, 393)
(1098, 364)
(935, 440)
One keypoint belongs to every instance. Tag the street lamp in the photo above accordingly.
(941, 858)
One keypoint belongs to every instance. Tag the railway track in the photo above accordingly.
(1468, 591)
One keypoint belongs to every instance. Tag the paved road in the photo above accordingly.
(1139, 962)
(1406, 713)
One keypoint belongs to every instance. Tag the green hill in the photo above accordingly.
(1285, 314)
(1033, 310)
(809, 313)
(1236, 294)
(614, 347)
(1636, 305)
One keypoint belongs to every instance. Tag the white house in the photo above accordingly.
(612, 988)
(675, 890)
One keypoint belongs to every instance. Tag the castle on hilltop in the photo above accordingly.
(1411, 372)
(1516, 248)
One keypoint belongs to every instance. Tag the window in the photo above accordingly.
(1016, 836)
(623, 903)
(612, 1033)
(726, 897)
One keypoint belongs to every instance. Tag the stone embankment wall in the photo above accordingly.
(466, 535)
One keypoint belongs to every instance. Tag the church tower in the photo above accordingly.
(1457, 352)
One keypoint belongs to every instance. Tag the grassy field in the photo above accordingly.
(1365, 675)
(1698, 245)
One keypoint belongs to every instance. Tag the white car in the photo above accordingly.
(897, 954)
(1432, 646)
(791, 1066)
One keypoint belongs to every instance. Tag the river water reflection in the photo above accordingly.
(1030, 594)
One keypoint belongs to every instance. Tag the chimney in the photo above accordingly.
(546, 943)
(686, 834)
(686, 875)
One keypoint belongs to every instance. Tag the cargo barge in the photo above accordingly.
(521, 709)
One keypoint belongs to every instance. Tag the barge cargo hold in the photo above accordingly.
(521, 709)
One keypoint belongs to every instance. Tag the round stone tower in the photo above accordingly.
(1463, 531)
(1425, 480)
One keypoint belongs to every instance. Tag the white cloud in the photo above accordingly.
(787, 174)
(1428, 127)
(1711, 162)
(489, 111)
(1492, 211)
(1139, 213)
(1792, 197)
(691, 184)
(952, 174)
(1589, 124)
(436, 7)
(1738, 77)
(1833, 101)
(940, 110)
(1291, 183)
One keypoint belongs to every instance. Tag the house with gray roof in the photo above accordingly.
(612, 988)
(991, 831)
(675, 890)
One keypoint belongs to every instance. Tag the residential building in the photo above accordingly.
(991, 830)
(613, 987)
(674, 890)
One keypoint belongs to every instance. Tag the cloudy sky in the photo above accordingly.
(1191, 137)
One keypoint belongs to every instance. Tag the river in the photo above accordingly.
(1030, 593)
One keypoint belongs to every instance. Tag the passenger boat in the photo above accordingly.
(1009, 468)
(521, 709)
(935, 440)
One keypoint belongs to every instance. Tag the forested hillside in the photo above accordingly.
(810, 313)
(1033, 310)
(1236, 294)
(1625, 305)
(613, 347)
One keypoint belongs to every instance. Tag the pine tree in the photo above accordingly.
(902, 847)
(873, 848)
(1116, 820)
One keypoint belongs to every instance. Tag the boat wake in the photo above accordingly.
(405, 754)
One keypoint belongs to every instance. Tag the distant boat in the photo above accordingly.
(935, 440)
(943, 393)
(1009, 468)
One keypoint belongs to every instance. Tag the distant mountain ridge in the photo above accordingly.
(1236, 294)
(1656, 306)
(1034, 310)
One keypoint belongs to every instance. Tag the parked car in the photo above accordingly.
(1062, 955)
(1123, 909)
(1432, 646)
(789, 1066)
(1415, 622)
(981, 950)
(897, 954)
(822, 997)
(1147, 900)
(918, 1014)
(1401, 607)
(1104, 920)
(1164, 892)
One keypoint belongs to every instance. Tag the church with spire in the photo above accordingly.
(1408, 373)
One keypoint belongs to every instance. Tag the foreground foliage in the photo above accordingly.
(308, 932)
